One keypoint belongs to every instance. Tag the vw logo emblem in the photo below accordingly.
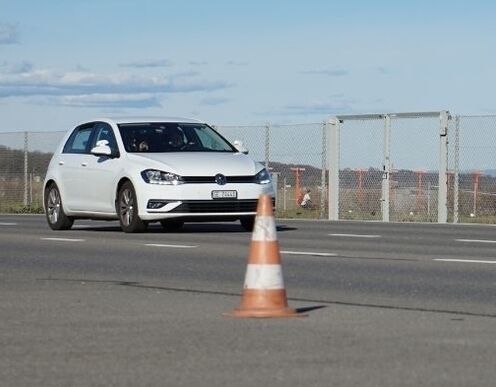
(220, 179)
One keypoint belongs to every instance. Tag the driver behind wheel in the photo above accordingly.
(175, 138)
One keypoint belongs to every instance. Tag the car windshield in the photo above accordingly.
(155, 137)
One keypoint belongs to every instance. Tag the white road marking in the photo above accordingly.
(355, 235)
(173, 246)
(475, 240)
(63, 239)
(7, 224)
(312, 253)
(464, 260)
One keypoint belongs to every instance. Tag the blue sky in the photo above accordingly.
(241, 62)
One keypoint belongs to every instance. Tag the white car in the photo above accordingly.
(146, 170)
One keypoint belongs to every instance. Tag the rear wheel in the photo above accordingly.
(248, 223)
(56, 217)
(127, 209)
(172, 224)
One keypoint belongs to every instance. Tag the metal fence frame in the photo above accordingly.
(334, 156)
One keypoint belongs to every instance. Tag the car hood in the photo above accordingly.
(199, 163)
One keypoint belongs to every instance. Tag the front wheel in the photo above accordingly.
(56, 217)
(127, 209)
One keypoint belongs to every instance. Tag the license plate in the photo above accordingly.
(224, 194)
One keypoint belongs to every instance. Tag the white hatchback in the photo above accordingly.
(140, 171)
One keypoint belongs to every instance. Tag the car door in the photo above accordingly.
(72, 162)
(103, 171)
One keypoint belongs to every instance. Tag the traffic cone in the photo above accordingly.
(264, 295)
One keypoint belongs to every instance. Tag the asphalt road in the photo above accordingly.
(386, 305)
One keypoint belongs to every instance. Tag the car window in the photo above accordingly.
(206, 139)
(103, 131)
(172, 137)
(79, 140)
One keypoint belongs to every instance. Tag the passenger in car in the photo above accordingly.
(139, 145)
(143, 146)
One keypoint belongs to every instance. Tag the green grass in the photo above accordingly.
(20, 209)
(299, 213)
(483, 219)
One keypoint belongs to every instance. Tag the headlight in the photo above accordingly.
(153, 176)
(262, 177)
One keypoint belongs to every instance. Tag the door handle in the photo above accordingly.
(61, 163)
(84, 164)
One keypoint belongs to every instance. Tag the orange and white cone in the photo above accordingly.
(264, 295)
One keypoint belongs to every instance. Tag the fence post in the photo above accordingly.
(25, 201)
(386, 168)
(456, 172)
(323, 171)
(333, 157)
(267, 146)
(284, 196)
(442, 209)
(31, 189)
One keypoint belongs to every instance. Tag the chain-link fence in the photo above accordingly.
(393, 158)
(24, 158)
(360, 172)
(296, 156)
(474, 168)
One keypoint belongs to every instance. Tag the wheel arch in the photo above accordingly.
(119, 185)
(48, 183)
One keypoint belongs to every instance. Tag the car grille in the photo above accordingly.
(218, 206)
(211, 179)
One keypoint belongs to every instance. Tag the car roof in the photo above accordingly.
(132, 120)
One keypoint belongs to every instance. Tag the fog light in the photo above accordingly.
(156, 204)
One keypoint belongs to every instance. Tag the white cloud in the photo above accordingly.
(9, 33)
(148, 63)
(77, 85)
(17, 68)
(198, 63)
(185, 74)
(110, 100)
(237, 63)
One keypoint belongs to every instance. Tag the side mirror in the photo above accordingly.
(238, 144)
(102, 149)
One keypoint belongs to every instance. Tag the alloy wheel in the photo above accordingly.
(126, 207)
(53, 205)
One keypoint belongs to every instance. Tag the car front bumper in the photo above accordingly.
(195, 201)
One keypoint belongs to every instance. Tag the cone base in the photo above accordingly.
(264, 313)
(263, 303)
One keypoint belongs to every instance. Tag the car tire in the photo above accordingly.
(248, 223)
(127, 210)
(54, 210)
(172, 225)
